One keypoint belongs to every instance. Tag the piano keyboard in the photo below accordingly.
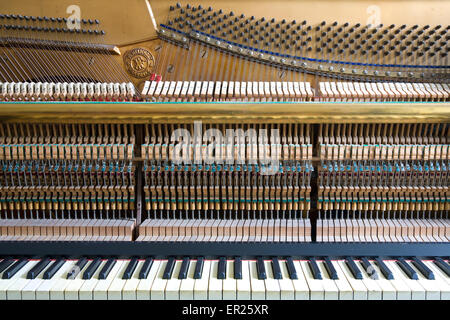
(224, 279)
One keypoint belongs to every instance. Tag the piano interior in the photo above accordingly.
(226, 150)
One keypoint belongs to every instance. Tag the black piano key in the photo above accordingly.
(222, 269)
(427, 273)
(407, 269)
(387, 273)
(107, 269)
(444, 266)
(315, 269)
(145, 269)
(169, 269)
(199, 268)
(14, 268)
(5, 264)
(354, 268)
(291, 269)
(89, 272)
(184, 268)
(53, 268)
(37, 269)
(330, 269)
(237, 268)
(77, 268)
(128, 273)
(261, 269)
(276, 269)
(370, 270)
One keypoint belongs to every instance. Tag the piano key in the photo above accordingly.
(330, 268)
(369, 268)
(389, 292)
(143, 291)
(222, 268)
(276, 269)
(202, 284)
(444, 266)
(331, 291)
(86, 291)
(442, 279)
(76, 281)
(169, 268)
(257, 284)
(5, 264)
(359, 289)
(131, 267)
(55, 273)
(243, 284)
(91, 269)
(291, 269)
(184, 268)
(423, 269)
(10, 288)
(199, 268)
(300, 284)
(53, 269)
(273, 291)
(431, 286)
(118, 282)
(384, 269)
(157, 291)
(108, 266)
(14, 268)
(229, 285)
(173, 285)
(237, 268)
(374, 291)
(353, 268)
(316, 290)
(188, 282)
(56, 291)
(417, 291)
(315, 269)
(261, 269)
(287, 291)
(145, 269)
(37, 269)
(215, 284)
(77, 268)
(407, 269)
(343, 286)
(101, 289)
(130, 287)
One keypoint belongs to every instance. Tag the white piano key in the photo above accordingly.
(344, 287)
(173, 284)
(86, 291)
(286, 286)
(11, 289)
(359, 289)
(229, 283)
(432, 287)
(157, 291)
(60, 283)
(117, 284)
(301, 287)
(71, 291)
(331, 291)
(417, 291)
(215, 284)
(43, 291)
(388, 291)
(244, 285)
(441, 278)
(273, 291)
(29, 291)
(374, 291)
(101, 289)
(316, 289)
(143, 291)
(130, 287)
(187, 285)
(258, 286)
(201, 285)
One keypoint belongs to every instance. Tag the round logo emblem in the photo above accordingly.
(139, 62)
